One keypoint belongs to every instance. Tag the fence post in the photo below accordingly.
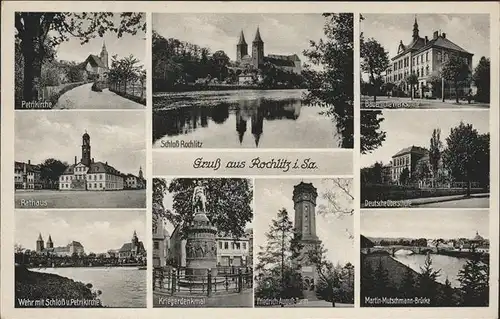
(174, 281)
(209, 282)
(240, 280)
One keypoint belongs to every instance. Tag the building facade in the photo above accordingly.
(90, 175)
(135, 249)
(74, 247)
(96, 67)
(425, 58)
(27, 176)
(161, 242)
(304, 199)
(406, 158)
(135, 182)
(289, 63)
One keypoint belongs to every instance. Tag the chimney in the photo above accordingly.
(29, 162)
(435, 35)
(92, 160)
(75, 160)
(426, 39)
(443, 35)
(106, 163)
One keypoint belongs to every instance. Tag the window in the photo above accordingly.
(226, 245)
(232, 245)
(220, 245)
(426, 56)
(427, 70)
(439, 56)
(156, 245)
(100, 185)
(100, 176)
(90, 185)
(244, 245)
(238, 246)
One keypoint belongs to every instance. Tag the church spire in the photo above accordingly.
(415, 28)
(257, 36)
(242, 39)
(40, 237)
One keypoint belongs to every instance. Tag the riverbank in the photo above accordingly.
(220, 87)
(139, 266)
(35, 289)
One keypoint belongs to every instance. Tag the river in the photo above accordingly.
(120, 286)
(242, 119)
(450, 266)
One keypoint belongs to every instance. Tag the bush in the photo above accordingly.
(131, 97)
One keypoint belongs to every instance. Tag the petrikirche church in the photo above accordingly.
(90, 175)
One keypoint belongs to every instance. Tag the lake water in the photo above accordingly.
(120, 286)
(242, 119)
(450, 266)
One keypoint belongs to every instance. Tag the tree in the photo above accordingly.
(464, 148)
(371, 135)
(447, 295)
(426, 282)
(332, 85)
(481, 78)
(456, 70)
(220, 61)
(474, 282)
(374, 61)
(408, 285)
(437, 242)
(412, 80)
(51, 169)
(422, 171)
(404, 177)
(435, 152)
(36, 29)
(338, 197)
(381, 280)
(367, 281)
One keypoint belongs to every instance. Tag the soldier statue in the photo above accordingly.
(199, 198)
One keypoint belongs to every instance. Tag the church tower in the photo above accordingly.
(140, 172)
(104, 55)
(241, 47)
(304, 199)
(135, 242)
(50, 244)
(39, 244)
(257, 50)
(86, 149)
(415, 29)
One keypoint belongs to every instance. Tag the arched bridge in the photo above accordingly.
(395, 248)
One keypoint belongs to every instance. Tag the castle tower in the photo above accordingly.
(86, 149)
(415, 29)
(304, 199)
(104, 54)
(50, 244)
(39, 244)
(140, 172)
(241, 47)
(257, 50)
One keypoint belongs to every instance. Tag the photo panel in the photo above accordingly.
(80, 60)
(252, 80)
(425, 61)
(304, 243)
(425, 258)
(202, 242)
(80, 160)
(425, 159)
(80, 259)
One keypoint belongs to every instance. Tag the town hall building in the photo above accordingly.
(90, 175)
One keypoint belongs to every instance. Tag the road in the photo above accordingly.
(395, 102)
(82, 97)
(480, 202)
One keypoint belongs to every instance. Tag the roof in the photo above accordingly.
(443, 43)
(96, 167)
(242, 38)
(279, 61)
(257, 36)
(411, 149)
(94, 60)
(75, 243)
(128, 247)
(19, 166)
(415, 44)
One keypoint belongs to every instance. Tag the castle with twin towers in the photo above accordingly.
(289, 63)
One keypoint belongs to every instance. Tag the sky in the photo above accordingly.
(405, 128)
(428, 223)
(116, 137)
(168, 201)
(98, 231)
(273, 194)
(73, 50)
(469, 31)
(282, 33)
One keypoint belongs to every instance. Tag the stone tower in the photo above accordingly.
(304, 199)
(415, 29)
(39, 244)
(104, 55)
(141, 176)
(257, 50)
(50, 244)
(86, 149)
(135, 242)
(241, 47)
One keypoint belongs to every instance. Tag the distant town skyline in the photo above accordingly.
(98, 231)
(116, 137)
(127, 44)
(275, 194)
(469, 31)
(284, 34)
(405, 128)
(428, 223)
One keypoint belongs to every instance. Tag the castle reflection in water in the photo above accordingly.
(185, 120)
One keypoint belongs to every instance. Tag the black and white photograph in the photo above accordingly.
(304, 243)
(80, 60)
(253, 80)
(425, 61)
(431, 159)
(93, 160)
(202, 242)
(425, 258)
(80, 259)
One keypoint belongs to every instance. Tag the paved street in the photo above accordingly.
(479, 202)
(80, 199)
(398, 102)
(82, 97)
